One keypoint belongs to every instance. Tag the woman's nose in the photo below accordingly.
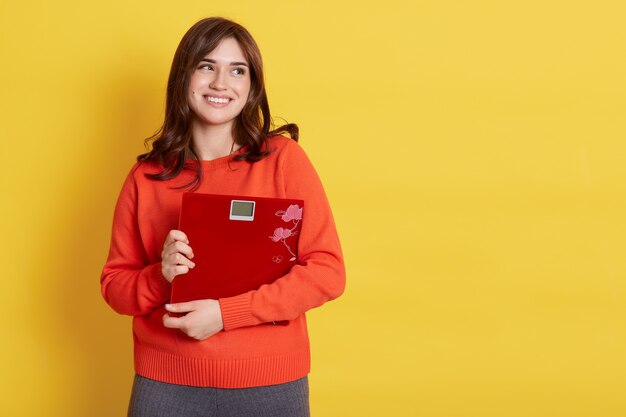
(218, 82)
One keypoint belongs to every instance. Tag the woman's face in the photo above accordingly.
(219, 85)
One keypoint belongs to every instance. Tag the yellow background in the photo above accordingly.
(473, 153)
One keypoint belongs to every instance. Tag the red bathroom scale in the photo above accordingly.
(239, 243)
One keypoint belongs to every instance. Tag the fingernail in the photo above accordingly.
(193, 264)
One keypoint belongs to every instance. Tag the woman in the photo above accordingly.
(221, 357)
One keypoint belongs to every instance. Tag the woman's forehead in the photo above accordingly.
(228, 50)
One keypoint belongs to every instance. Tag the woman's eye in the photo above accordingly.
(206, 67)
(239, 71)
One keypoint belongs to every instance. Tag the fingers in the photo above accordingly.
(176, 241)
(181, 247)
(176, 255)
(172, 271)
(178, 322)
(183, 324)
(175, 235)
(175, 264)
(203, 318)
(173, 322)
(177, 258)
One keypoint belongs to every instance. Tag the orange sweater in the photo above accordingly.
(249, 352)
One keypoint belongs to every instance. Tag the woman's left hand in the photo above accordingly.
(203, 318)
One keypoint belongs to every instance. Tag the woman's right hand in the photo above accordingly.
(176, 256)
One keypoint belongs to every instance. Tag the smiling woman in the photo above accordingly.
(216, 60)
(218, 91)
(225, 357)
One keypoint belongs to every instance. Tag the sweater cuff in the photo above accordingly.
(237, 311)
(160, 284)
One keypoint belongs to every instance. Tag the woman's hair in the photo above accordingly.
(171, 144)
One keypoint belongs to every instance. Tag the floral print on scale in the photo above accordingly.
(292, 215)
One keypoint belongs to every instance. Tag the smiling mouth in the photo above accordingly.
(218, 100)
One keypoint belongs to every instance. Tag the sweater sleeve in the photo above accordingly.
(319, 275)
(130, 284)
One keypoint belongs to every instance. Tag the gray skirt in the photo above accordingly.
(151, 398)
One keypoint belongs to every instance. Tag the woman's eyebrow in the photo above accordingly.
(212, 61)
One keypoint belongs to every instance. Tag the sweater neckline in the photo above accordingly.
(218, 162)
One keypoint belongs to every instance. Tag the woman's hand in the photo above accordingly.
(176, 255)
(203, 318)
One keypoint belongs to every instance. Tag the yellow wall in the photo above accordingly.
(474, 154)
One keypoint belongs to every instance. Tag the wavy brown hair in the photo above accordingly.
(171, 144)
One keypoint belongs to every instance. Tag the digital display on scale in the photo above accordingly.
(242, 210)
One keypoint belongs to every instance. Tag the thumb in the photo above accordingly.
(181, 307)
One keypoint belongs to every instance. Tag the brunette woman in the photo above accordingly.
(224, 357)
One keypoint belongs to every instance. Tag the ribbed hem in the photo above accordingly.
(237, 312)
(238, 373)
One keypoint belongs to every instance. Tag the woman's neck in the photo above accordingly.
(212, 142)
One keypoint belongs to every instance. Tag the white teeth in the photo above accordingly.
(218, 100)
